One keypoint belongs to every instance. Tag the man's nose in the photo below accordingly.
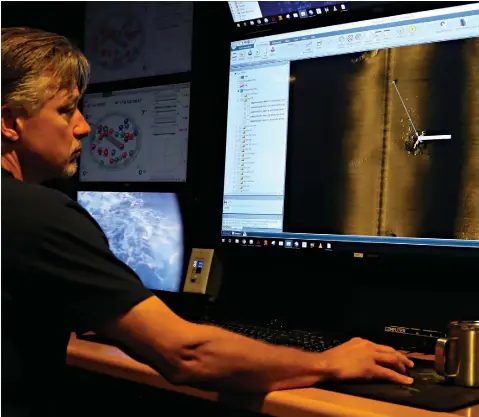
(82, 128)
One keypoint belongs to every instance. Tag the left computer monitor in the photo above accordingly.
(137, 135)
(144, 230)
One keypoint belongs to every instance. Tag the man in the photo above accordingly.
(59, 275)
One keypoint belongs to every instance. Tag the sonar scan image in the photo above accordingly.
(388, 141)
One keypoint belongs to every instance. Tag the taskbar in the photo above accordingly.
(358, 246)
(307, 13)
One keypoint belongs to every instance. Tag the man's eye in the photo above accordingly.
(68, 111)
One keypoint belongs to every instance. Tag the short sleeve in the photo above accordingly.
(80, 275)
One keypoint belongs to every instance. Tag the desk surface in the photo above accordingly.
(306, 402)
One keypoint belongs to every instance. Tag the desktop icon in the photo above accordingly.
(280, 243)
(304, 244)
(288, 243)
(318, 11)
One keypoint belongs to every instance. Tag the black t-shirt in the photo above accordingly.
(58, 276)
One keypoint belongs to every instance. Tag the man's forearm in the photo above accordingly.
(223, 360)
(209, 357)
(218, 360)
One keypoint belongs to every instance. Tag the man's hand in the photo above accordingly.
(361, 359)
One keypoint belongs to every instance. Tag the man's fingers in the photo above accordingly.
(392, 376)
(403, 358)
(391, 360)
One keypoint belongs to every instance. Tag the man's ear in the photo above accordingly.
(9, 124)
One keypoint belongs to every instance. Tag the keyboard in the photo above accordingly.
(308, 341)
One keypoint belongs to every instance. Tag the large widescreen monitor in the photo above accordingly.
(362, 136)
(125, 40)
(137, 135)
(144, 230)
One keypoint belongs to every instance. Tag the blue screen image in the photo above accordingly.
(144, 230)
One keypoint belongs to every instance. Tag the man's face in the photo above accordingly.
(48, 142)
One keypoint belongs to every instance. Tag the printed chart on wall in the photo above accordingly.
(126, 40)
(137, 135)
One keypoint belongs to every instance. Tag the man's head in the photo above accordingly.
(43, 77)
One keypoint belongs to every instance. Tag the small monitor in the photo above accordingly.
(144, 230)
(361, 136)
(137, 135)
(125, 40)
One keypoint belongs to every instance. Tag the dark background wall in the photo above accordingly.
(209, 77)
(312, 290)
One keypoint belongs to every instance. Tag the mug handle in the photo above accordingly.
(441, 357)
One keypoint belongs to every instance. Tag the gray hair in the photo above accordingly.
(36, 65)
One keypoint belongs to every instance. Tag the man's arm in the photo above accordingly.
(211, 358)
(93, 290)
